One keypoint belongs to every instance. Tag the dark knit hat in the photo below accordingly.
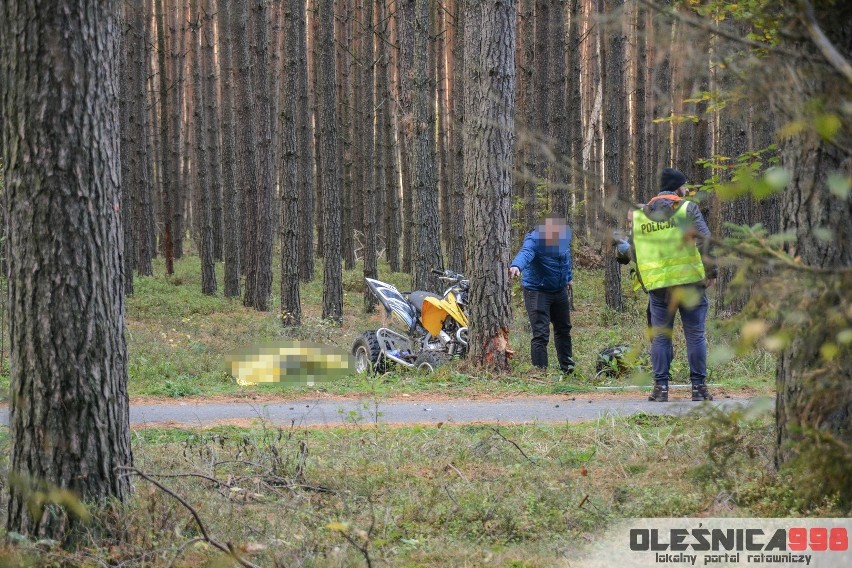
(671, 179)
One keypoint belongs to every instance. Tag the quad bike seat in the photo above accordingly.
(416, 299)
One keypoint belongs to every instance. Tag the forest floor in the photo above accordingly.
(524, 496)
(178, 340)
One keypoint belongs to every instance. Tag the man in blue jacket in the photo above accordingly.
(545, 263)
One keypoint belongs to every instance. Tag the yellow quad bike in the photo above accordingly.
(428, 329)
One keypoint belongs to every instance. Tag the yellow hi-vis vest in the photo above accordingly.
(666, 255)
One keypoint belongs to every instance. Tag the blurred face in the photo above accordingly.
(553, 230)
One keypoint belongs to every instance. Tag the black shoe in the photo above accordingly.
(700, 392)
(660, 394)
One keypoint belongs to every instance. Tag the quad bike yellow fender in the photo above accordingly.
(436, 310)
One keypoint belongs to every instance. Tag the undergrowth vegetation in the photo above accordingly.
(425, 496)
(178, 339)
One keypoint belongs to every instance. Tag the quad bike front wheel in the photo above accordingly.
(428, 361)
(368, 354)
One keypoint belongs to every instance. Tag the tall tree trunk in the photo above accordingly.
(348, 108)
(291, 307)
(211, 98)
(640, 122)
(150, 213)
(558, 127)
(177, 89)
(69, 416)
(528, 79)
(490, 101)
(541, 85)
(405, 23)
(391, 190)
(305, 149)
(246, 141)
(457, 121)
(426, 227)
(814, 379)
(660, 136)
(439, 48)
(314, 98)
(615, 160)
(372, 166)
(573, 113)
(332, 294)
(231, 236)
(203, 206)
(142, 187)
(169, 183)
(732, 143)
(128, 173)
(259, 260)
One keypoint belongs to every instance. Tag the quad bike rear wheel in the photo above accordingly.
(368, 354)
(428, 361)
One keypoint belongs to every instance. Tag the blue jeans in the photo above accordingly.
(662, 309)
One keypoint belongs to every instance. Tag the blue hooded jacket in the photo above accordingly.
(544, 268)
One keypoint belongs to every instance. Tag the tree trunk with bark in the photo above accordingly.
(372, 166)
(573, 113)
(214, 152)
(128, 174)
(393, 232)
(177, 88)
(203, 205)
(439, 48)
(332, 296)
(558, 127)
(814, 379)
(426, 226)
(68, 405)
(732, 142)
(259, 260)
(169, 183)
(541, 84)
(615, 160)
(291, 306)
(246, 149)
(405, 23)
(231, 233)
(457, 120)
(489, 151)
(348, 109)
(527, 78)
(306, 155)
(139, 127)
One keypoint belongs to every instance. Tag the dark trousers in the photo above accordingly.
(662, 308)
(544, 308)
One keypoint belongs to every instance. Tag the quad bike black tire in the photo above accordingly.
(368, 354)
(429, 361)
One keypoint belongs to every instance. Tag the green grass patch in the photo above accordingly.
(178, 339)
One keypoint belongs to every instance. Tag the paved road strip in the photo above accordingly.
(344, 411)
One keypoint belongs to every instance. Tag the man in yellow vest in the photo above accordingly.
(667, 233)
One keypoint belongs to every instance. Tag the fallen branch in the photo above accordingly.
(514, 444)
(226, 548)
